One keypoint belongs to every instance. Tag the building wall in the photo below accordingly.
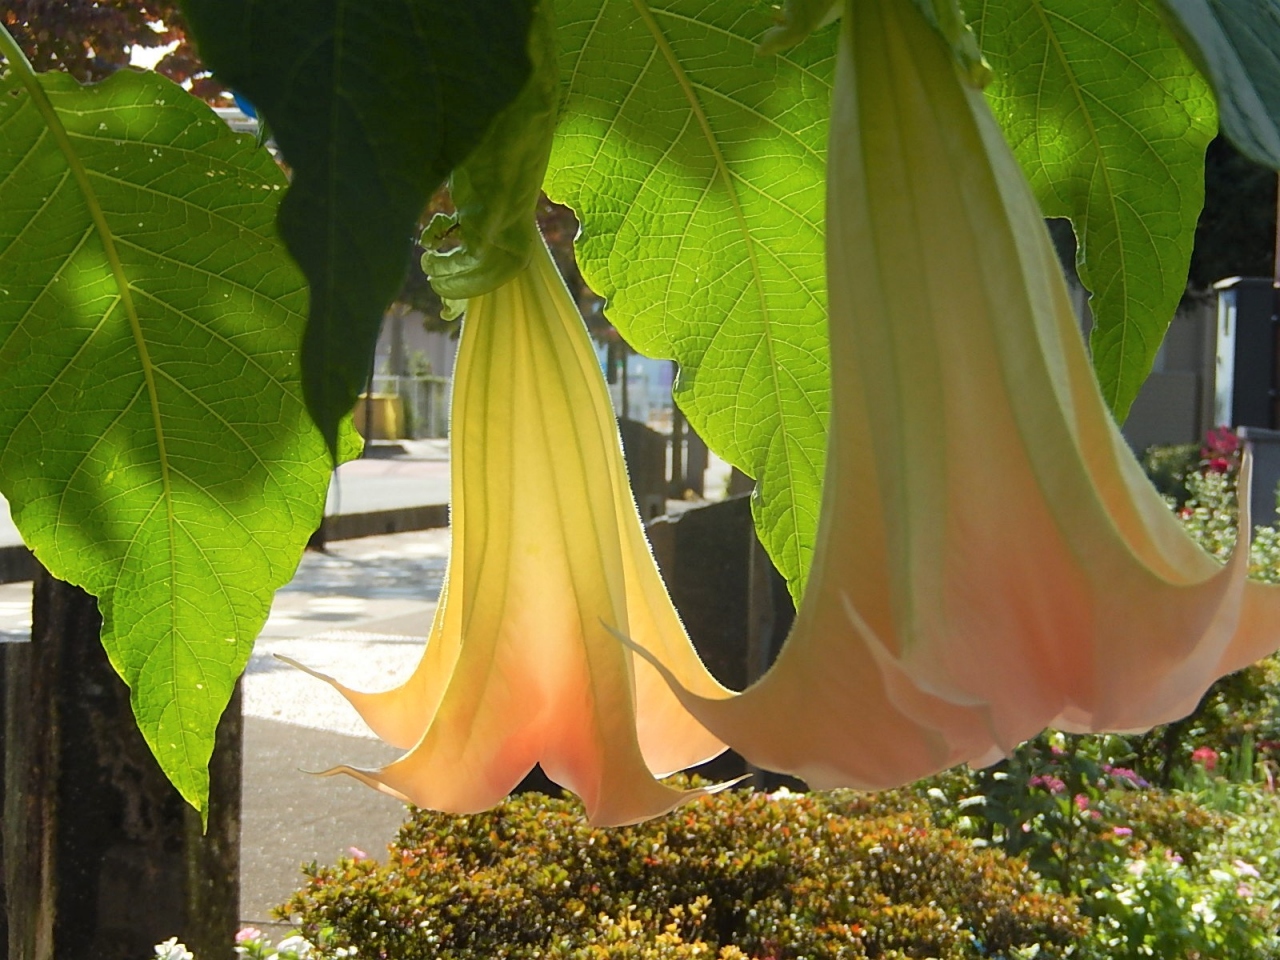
(1175, 404)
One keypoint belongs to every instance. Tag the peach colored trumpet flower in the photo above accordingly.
(548, 555)
(990, 559)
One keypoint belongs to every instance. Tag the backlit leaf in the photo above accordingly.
(1237, 45)
(1110, 121)
(697, 169)
(156, 449)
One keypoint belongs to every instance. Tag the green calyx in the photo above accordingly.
(796, 20)
(947, 18)
(495, 191)
(799, 18)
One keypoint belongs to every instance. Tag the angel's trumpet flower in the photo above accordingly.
(990, 559)
(548, 556)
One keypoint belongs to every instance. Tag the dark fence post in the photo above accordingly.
(646, 454)
(733, 601)
(102, 858)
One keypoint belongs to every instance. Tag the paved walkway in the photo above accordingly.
(360, 613)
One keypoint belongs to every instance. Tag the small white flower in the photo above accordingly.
(171, 949)
(295, 946)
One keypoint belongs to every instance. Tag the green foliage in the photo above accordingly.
(731, 875)
(1210, 514)
(1161, 874)
(697, 169)
(1237, 45)
(1161, 907)
(156, 449)
(1168, 468)
(1110, 121)
(372, 105)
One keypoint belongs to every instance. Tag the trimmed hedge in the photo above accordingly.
(734, 875)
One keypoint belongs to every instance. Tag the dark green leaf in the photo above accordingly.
(372, 105)
(1110, 121)
(156, 447)
(1237, 45)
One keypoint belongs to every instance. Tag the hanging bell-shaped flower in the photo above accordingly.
(990, 558)
(548, 557)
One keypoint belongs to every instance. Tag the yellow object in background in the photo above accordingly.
(379, 417)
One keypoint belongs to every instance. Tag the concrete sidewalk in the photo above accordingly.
(360, 613)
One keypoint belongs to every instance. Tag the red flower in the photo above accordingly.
(1207, 757)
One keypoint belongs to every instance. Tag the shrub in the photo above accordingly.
(1188, 874)
(1169, 466)
(733, 875)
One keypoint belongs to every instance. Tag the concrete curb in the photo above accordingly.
(353, 526)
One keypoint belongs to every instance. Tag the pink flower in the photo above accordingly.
(1219, 465)
(1082, 802)
(1129, 776)
(1219, 442)
(1122, 831)
(249, 933)
(1207, 757)
(1048, 781)
(355, 853)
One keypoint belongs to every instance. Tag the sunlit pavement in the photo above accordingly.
(360, 612)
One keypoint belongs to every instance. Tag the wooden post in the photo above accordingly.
(102, 858)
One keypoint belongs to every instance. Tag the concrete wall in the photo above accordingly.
(1175, 404)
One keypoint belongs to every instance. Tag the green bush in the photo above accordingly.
(731, 875)
(1188, 874)
(1169, 466)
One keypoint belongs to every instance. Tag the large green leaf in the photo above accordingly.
(372, 104)
(697, 169)
(156, 447)
(1237, 45)
(1110, 120)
